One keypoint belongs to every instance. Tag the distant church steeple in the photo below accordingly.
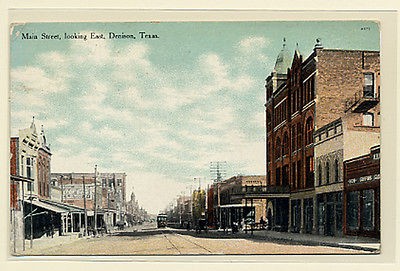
(33, 126)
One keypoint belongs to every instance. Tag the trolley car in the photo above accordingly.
(161, 221)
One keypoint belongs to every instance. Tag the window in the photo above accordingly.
(278, 148)
(29, 164)
(268, 152)
(299, 136)
(368, 209)
(368, 119)
(309, 131)
(310, 171)
(293, 181)
(278, 176)
(285, 175)
(319, 174)
(285, 146)
(312, 87)
(352, 210)
(22, 165)
(339, 212)
(336, 170)
(327, 172)
(368, 85)
(111, 183)
(298, 180)
(293, 138)
(269, 121)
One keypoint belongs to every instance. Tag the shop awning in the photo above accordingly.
(68, 207)
(233, 206)
(47, 206)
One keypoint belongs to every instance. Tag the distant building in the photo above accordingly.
(134, 213)
(237, 200)
(109, 193)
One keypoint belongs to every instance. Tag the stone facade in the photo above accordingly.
(33, 161)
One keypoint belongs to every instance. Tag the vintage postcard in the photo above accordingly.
(195, 138)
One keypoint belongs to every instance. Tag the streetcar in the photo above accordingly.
(161, 221)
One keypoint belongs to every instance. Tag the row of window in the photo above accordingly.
(361, 214)
(361, 210)
(303, 96)
(282, 174)
(298, 98)
(111, 182)
(324, 172)
(282, 148)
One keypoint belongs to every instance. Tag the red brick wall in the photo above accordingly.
(340, 78)
(14, 154)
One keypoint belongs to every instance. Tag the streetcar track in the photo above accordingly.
(173, 245)
(200, 246)
(186, 239)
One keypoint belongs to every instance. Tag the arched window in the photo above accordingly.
(327, 172)
(285, 145)
(269, 121)
(336, 171)
(299, 133)
(278, 148)
(319, 174)
(293, 136)
(309, 131)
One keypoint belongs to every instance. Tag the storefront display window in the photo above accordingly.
(352, 210)
(368, 209)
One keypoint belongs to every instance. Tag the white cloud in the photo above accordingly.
(110, 133)
(66, 160)
(67, 140)
(35, 80)
(148, 97)
(252, 44)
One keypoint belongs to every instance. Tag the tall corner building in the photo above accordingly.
(320, 111)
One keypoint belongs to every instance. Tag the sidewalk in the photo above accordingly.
(349, 242)
(46, 242)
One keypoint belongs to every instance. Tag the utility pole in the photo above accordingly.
(62, 188)
(14, 209)
(108, 204)
(23, 220)
(95, 199)
(84, 205)
(31, 218)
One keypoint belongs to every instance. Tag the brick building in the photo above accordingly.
(361, 194)
(236, 200)
(308, 95)
(109, 193)
(31, 158)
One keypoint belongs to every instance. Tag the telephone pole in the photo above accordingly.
(84, 206)
(31, 218)
(95, 199)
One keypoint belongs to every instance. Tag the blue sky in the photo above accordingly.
(159, 109)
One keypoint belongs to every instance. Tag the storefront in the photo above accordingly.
(330, 214)
(362, 195)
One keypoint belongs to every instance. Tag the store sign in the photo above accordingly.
(75, 191)
(364, 179)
